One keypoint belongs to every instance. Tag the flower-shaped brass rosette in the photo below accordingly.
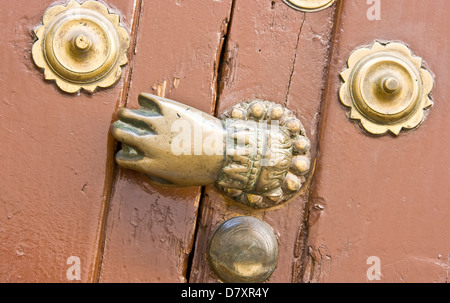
(81, 46)
(386, 88)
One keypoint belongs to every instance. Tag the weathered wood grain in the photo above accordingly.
(274, 53)
(55, 157)
(384, 196)
(150, 229)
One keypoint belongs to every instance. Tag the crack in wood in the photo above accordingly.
(308, 267)
(219, 66)
(109, 187)
(294, 61)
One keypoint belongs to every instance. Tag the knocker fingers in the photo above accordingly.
(138, 118)
(153, 168)
(135, 141)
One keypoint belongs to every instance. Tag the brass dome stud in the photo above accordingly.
(243, 250)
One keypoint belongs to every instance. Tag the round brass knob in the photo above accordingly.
(390, 85)
(243, 249)
(81, 46)
(82, 43)
(386, 88)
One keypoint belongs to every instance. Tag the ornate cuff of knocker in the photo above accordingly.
(257, 152)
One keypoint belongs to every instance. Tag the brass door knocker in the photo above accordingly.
(257, 152)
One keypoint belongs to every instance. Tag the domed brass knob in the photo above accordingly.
(82, 43)
(81, 46)
(386, 88)
(243, 249)
(390, 85)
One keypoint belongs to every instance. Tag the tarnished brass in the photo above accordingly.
(386, 88)
(276, 159)
(309, 6)
(150, 144)
(81, 46)
(257, 152)
(243, 250)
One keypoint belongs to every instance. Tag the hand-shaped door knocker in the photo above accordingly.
(257, 152)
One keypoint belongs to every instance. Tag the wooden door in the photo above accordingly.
(65, 204)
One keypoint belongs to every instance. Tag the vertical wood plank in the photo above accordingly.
(55, 157)
(278, 54)
(150, 229)
(384, 196)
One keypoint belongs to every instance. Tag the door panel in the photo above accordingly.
(56, 156)
(272, 53)
(150, 229)
(384, 196)
(62, 195)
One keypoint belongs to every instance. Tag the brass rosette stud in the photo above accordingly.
(81, 46)
(386, 88)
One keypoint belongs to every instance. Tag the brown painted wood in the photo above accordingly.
(278, 54)
(150, 229)
(55, 158)
(61, 194)
(385, 196)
